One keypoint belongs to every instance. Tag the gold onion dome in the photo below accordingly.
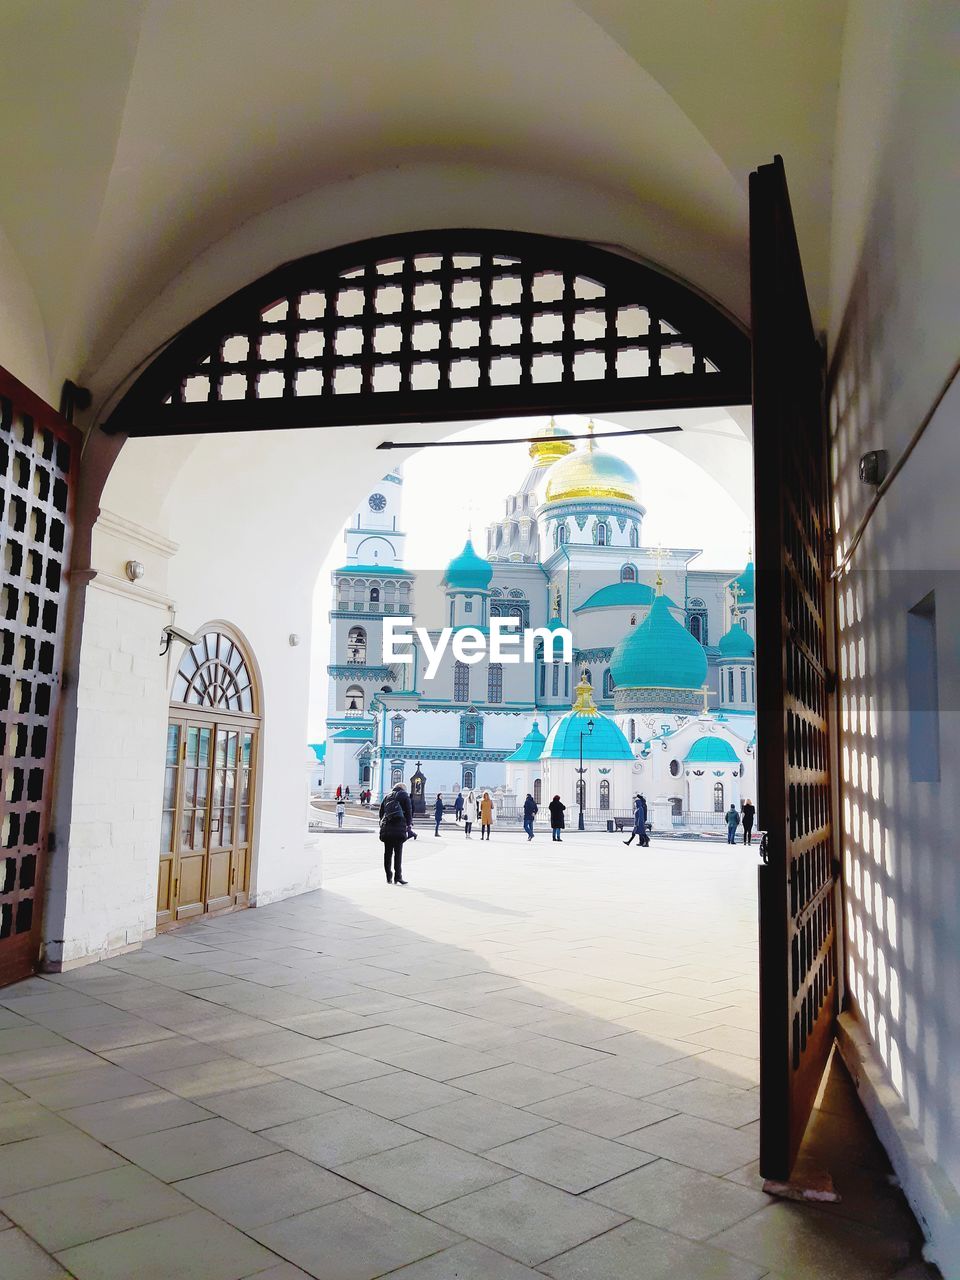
(592, 473)
(552, 449)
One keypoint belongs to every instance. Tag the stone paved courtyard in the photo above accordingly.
(536, 1059)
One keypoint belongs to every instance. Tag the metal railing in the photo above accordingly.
(699, 818)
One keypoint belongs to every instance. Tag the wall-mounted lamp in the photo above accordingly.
(134, 570)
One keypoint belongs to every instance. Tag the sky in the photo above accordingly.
(446, 491)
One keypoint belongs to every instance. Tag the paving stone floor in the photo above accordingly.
(535, 1060)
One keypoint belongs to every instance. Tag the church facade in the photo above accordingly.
(662, 651)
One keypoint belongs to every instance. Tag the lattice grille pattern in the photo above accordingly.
(214, 673)
(36, 463)
(440, 321)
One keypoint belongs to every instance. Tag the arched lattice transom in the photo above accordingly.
(214, 673)
(441, 325)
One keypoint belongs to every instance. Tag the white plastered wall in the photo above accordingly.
(894, 291)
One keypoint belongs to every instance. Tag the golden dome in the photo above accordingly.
(545, 452)
(591, 473)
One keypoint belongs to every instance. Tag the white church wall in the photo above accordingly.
(894, 321)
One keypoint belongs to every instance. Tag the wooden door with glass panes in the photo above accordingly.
(208, 792)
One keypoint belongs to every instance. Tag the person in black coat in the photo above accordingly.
(437, 814)
(396, 819)
(747, 814)
(639, 822)
(458, 806)
(530, 809)
(556, 807)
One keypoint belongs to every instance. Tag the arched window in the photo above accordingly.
(561, 534)
(581, 792)
(495, 682)
(396, 774)
(461, 682)
(374, 595)
(675, 768)
(628, 573)
(543, 680)
(357, 646)
(214, 673)
(743, 684)
(697, 619)
(537, 788)
(555, 680)
(470, 732)
(608, 683)
(354, 700)
(396, 731)
(730, 684)
(365, 773)
(603, 534)
(604, 794)
(634, 536)
(718, 797)
(633, 730)
(469, 781)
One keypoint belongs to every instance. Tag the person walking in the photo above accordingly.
(486, 814)
(458, 806)
(639, 821)
(437, 814)
(747, 815)
(530, 810)
(396, 820)
(733, 821)
(644, 840)
(556, 807)
(340, 812)
(339, 792)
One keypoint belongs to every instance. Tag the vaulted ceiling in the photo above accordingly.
(159, 153)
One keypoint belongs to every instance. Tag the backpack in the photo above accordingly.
(393, 814)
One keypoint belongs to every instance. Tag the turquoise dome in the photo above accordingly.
(711, 751)
(736, 643)
(468, 571)
(745, 581)
(530, 749)
(659, 654)
(606, 742)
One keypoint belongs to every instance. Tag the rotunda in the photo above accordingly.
(585, 733)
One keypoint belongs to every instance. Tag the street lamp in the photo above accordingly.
(581, 771)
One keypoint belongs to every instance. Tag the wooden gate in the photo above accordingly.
(798, 927)
(39, 454)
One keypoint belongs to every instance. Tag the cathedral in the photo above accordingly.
(659, 695)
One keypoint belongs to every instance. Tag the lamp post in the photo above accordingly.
(581, 771)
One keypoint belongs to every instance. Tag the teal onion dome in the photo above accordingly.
(659, 654)
(743, 585)
(710, 750)
(736, 643)
(468, 571)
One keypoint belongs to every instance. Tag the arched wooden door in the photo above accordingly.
(209, 788)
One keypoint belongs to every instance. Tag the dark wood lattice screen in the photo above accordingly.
(798, 927)
(39, 453)
(441, 325)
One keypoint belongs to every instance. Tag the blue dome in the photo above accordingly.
(621, 593)
(530, 749)
(659, 654)
(736, 643)
(745, 582)
(605, 742)
(468, 571)
(711, 750)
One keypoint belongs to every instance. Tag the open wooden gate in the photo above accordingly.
(39, 454)
(798, 927)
